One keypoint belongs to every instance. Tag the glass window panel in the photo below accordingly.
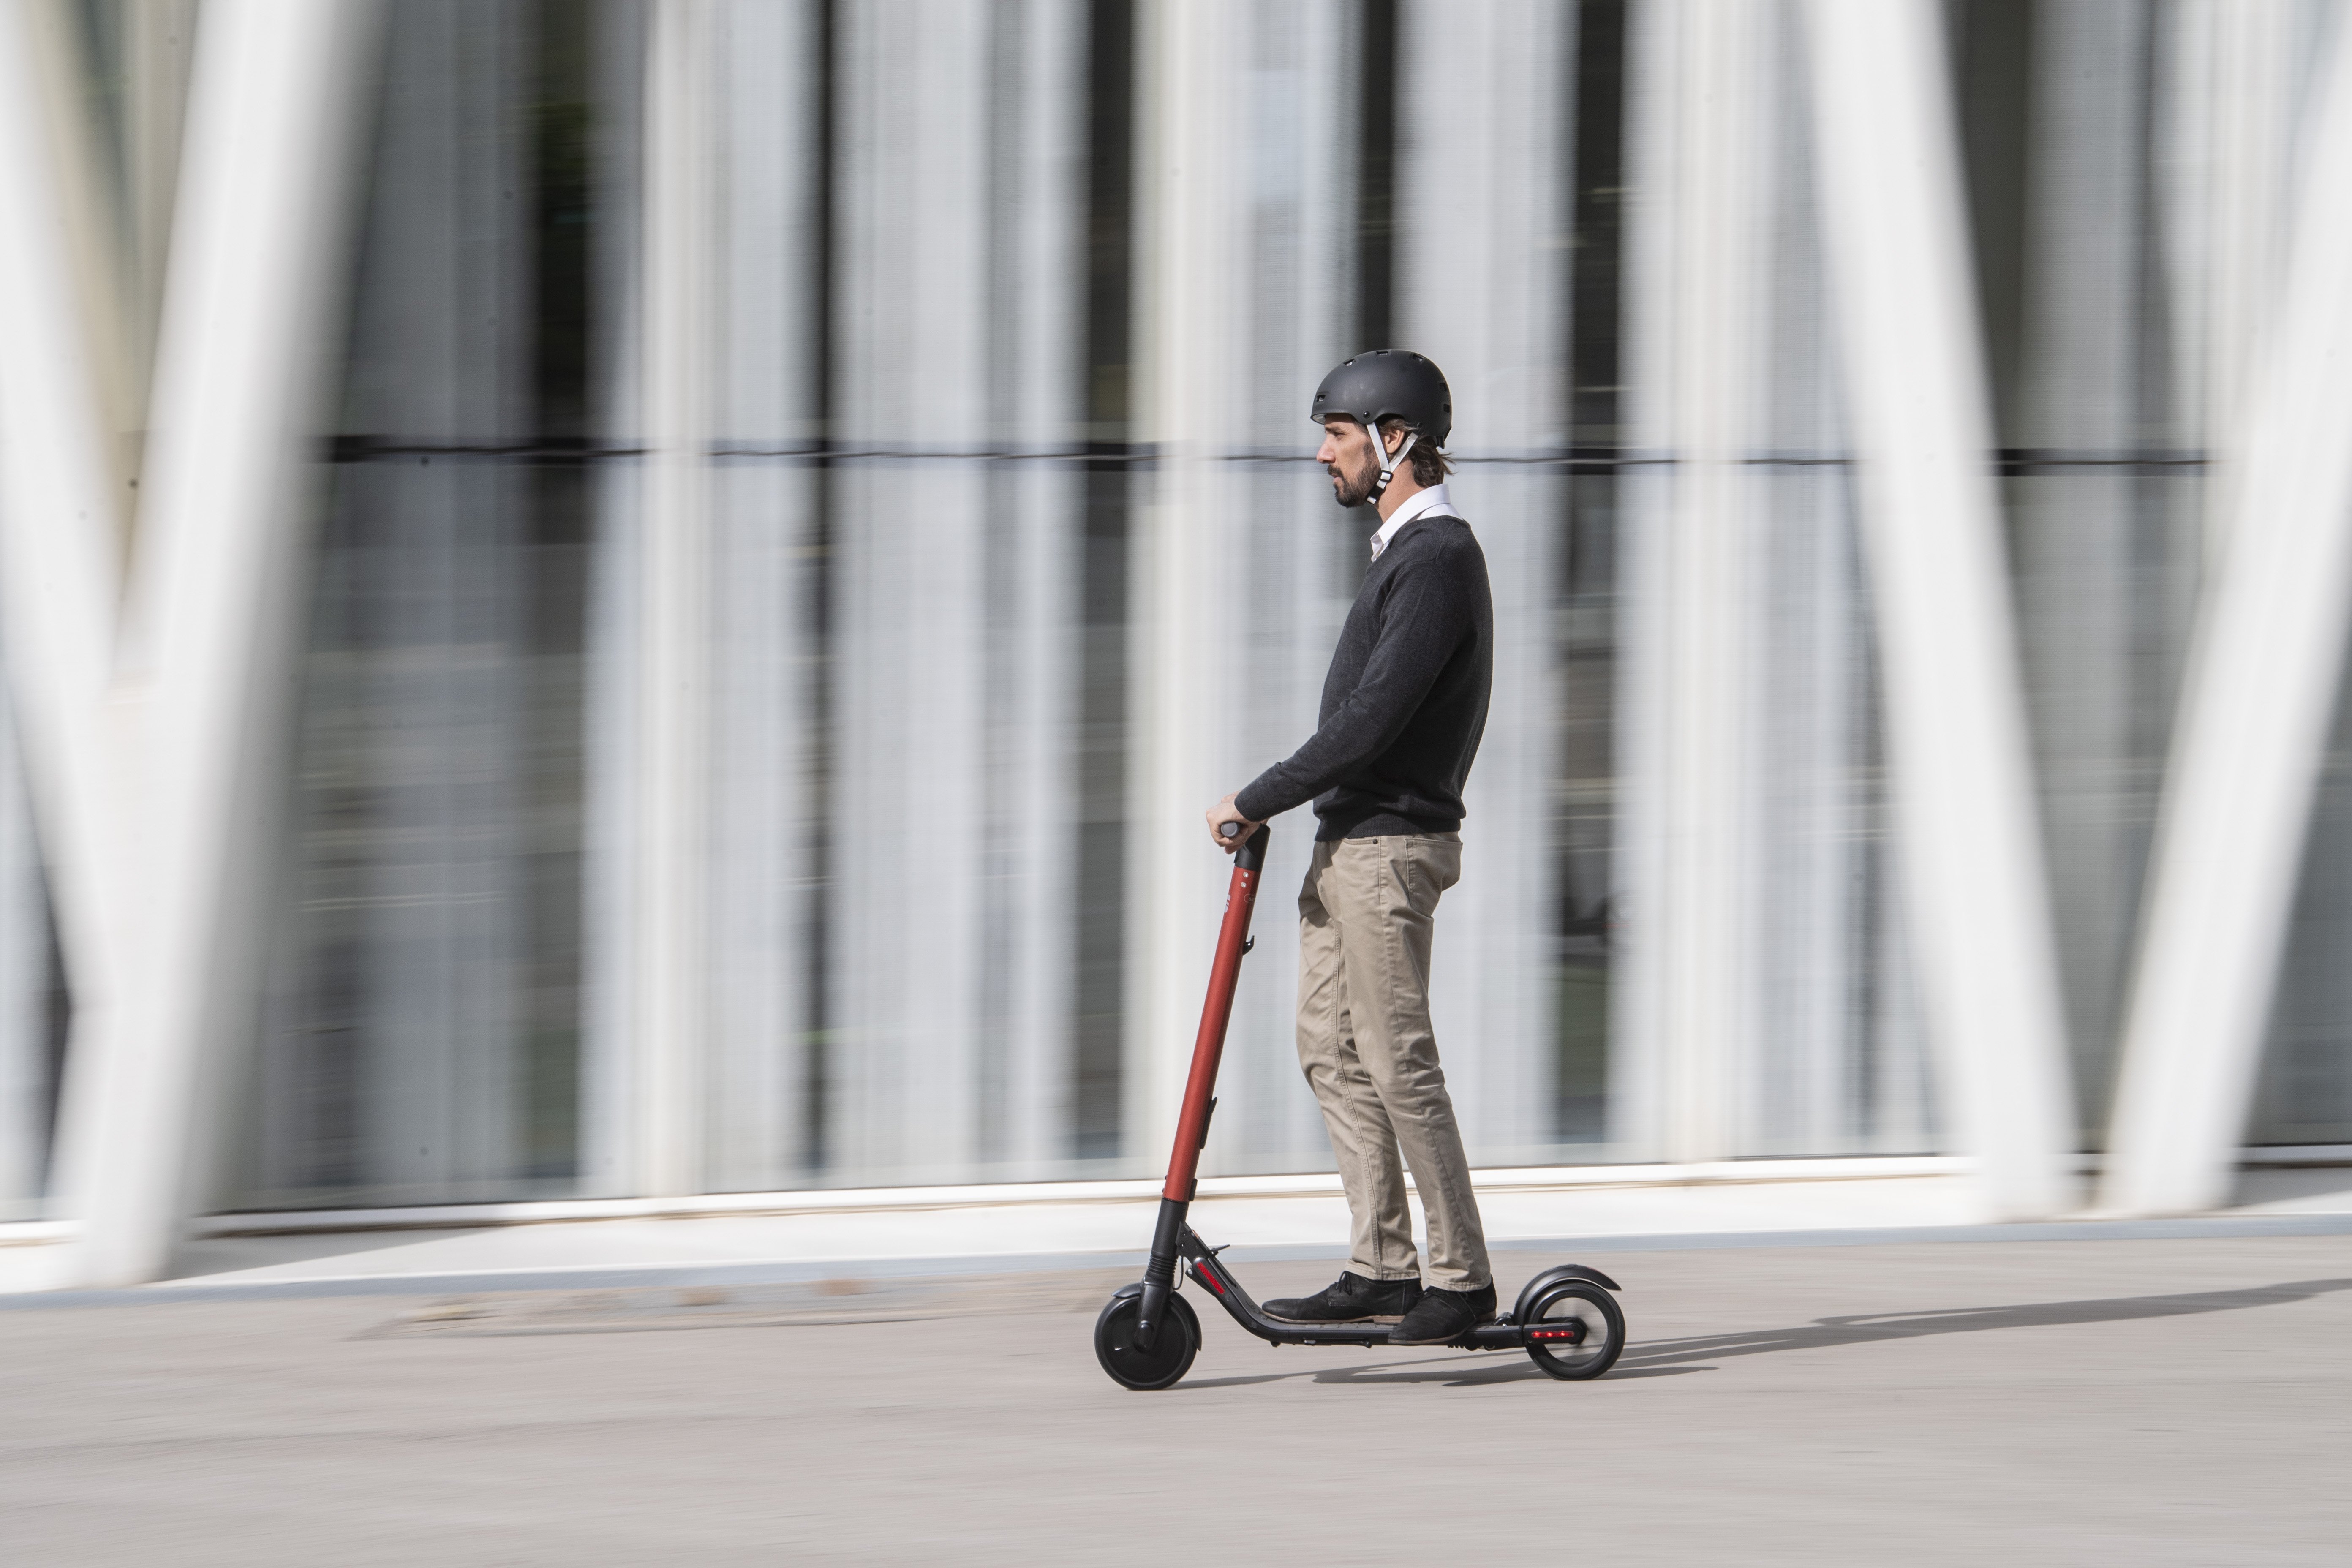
(423, 1041)
(34, 1009)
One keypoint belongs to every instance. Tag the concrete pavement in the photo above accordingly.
(2063, 1402)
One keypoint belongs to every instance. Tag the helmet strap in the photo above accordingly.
(1387, 464)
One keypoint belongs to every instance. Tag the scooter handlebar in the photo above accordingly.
(1250, 857)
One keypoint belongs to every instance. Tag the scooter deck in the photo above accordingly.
(1203, 1265)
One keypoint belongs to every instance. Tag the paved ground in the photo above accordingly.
(2139, 1402)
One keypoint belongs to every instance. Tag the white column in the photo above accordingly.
(910, 335)
(909, 258)
(1692, 523)
(1833, 1060)
(764, 493)
(1301, 558)
(1189, 569)
(954, 536)
(2226, 141)
(2247, 747)
(87, 196)
(615, 606)
(674, 624)
(60, 557)
(1036, 69)
(277, 95)
(1481, 279)
(1915, 390)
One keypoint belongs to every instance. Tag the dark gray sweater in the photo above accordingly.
(1406, 703)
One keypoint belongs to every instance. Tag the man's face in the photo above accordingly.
(1346, 456)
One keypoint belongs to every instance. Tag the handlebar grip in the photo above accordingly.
(1229, 830)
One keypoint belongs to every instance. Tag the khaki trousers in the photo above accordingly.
(1365, 917)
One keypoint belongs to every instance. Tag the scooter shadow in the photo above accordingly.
(1670, 1358)
(1827, 1333)
(1454, 1374)
(1457, 1370)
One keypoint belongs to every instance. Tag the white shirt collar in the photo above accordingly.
(1431, 503)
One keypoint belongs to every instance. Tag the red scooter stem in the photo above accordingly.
(1209, 1046)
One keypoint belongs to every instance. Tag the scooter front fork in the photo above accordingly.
(1160, 1273)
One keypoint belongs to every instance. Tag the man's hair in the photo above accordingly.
(1430, 465)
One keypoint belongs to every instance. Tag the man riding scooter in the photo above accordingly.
(1403, 708)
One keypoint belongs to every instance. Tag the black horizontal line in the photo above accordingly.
(357, 449)
(2008, 461)
(2015, 460)
(388, 449)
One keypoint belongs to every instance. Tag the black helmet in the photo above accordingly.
(1389, 383)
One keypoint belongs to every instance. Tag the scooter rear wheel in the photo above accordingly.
(1591, 1309)
(1129, 1364)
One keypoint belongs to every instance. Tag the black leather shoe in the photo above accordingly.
(1441, 1317)
(1352, 1298)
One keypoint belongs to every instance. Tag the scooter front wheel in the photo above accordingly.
(1575, 1330)
(1129, 1364)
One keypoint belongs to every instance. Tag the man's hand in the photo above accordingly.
(1222, 812)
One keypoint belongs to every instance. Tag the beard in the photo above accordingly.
(1352, 491)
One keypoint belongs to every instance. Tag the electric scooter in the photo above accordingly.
(1565, 1319)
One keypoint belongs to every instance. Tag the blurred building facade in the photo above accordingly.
(807, 499)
